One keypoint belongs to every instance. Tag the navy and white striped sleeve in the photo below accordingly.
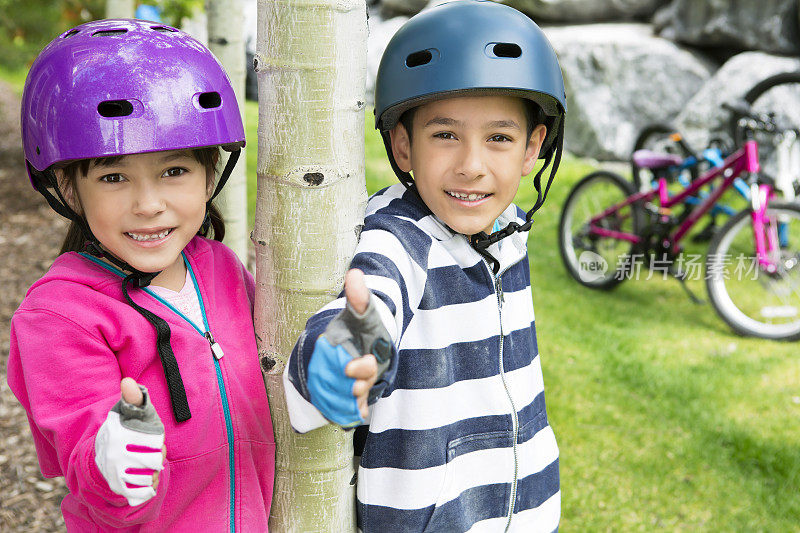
(394, 270)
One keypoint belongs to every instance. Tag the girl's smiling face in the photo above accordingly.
(467, 156)
(145, 208)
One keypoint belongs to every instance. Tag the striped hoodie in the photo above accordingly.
(458, 434)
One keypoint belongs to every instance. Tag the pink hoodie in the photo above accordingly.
(74, 338)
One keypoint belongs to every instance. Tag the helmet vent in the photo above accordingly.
(505, 50)
(209, 100)
(109, 33)
(163, 29)
(423, 57)
(115, 108)
(70, 33)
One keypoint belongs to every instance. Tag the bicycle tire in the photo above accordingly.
(608, 266)
(755, 93)
(656, 137)
(767, 305)
(779, 94)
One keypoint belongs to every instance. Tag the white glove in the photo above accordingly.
(128, 449)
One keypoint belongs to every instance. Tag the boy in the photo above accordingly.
(469, 95)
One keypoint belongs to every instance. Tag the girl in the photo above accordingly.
(122, 123)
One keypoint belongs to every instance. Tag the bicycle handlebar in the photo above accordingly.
(751, 120)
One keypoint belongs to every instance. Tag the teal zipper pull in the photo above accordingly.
(216, 349)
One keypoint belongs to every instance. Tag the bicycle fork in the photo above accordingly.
(765, 230)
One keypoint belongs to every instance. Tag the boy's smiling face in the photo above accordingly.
(467, 155)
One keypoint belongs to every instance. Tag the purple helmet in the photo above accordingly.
(116, 87)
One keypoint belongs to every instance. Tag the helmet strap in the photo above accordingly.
(483, 252)
(48, 177)
(206, 223)
(177, 392)
(226, 172)
(555, 154)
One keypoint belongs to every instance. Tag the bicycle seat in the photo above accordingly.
(653, 160)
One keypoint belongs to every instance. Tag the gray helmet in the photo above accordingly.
(468, 47)
(471, 47)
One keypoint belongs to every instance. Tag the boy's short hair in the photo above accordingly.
(534, 116)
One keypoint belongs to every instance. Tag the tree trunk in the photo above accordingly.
(311, 65)
(120, 9)
(226, 40)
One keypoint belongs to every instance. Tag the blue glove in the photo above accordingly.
(349, 335)
(331, 390)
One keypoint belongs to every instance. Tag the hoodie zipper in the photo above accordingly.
(216, 351)
(497, 282)
(217, 354)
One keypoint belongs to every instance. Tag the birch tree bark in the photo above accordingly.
(226, 41)
(120, 9)
(311, 65)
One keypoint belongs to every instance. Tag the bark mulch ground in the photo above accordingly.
(30, 236)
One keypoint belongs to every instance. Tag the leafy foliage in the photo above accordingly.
(173, 11)
(26, 26)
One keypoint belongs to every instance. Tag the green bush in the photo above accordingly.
(27, 26)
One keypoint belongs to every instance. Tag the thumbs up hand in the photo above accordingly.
(129, 446)
(131, 392)
(349, 357)
(363, 369)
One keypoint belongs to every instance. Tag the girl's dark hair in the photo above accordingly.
(75, 240)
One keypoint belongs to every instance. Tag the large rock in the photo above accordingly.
(703, 117)
(586, 10)
(570, 11)
(407, 8)
(618, 79)
(768, 25)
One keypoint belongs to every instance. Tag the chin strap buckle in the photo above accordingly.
(482, 240)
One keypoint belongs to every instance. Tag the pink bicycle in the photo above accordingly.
(608, 231)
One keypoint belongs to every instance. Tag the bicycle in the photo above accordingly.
(661, 151)
(605, 221)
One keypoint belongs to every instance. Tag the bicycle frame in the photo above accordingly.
(717, 160)
(743, 160)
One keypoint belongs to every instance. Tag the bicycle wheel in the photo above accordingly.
(655, 137)
(779, 152)
(594, 260)
(749, 299)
